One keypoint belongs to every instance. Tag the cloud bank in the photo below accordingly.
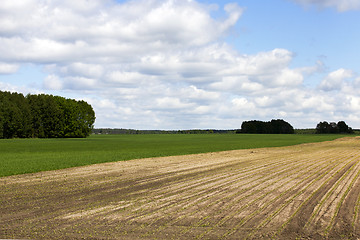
(165, 65)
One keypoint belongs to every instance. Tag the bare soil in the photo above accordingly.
(308, 191)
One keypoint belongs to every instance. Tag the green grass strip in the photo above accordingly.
(19, 156)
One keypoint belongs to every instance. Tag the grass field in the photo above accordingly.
(18, 156)
(308, 191)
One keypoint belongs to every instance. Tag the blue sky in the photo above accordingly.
(183, 64)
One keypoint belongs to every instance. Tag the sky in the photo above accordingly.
(188, 64)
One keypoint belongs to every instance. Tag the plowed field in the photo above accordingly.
(309, 191)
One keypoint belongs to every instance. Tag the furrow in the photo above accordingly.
(292, 187)
(198, 199)
(304, 211)
(345, 208)
(245, 206)
(321, 208)
(195, 197)
(356, 218)
(249, 215)
(216, 196)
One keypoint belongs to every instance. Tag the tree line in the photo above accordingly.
(134, 131)
(44, 116)
(277, 126)
(280, 126)
(332, 127)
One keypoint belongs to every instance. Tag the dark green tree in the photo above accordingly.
(323, 127)
(344, 128)
(278, 126)
(14, 116)
(44, 116)
(340, 127)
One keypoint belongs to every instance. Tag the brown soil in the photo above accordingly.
(309, 191)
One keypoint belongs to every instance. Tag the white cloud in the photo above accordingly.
(340, 5)
(40, 50)
(254, 73)
(125, 79)
(163, 65)
(16, 88)
(357, 82)
(192, 92)
(172, 103)
(266, 101)
(80, 83)
(84, 69)
(243, 106)
(335, 79)
(354, 103)
(234, 12)
(6, 68)
(289, 77)
(52, 31)
(53, 82)
(9, 87)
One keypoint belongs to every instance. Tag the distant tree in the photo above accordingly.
(340, 127)
(344, 128)
(44, 116)
(278, 126)
(323, 127)
(80, 121)
(253, 126)
(249, 127)
(333, 127)
(14, 116)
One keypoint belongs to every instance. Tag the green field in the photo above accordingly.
(18, 156)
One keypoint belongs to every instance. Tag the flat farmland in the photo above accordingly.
(19, 156)
(306, 191)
